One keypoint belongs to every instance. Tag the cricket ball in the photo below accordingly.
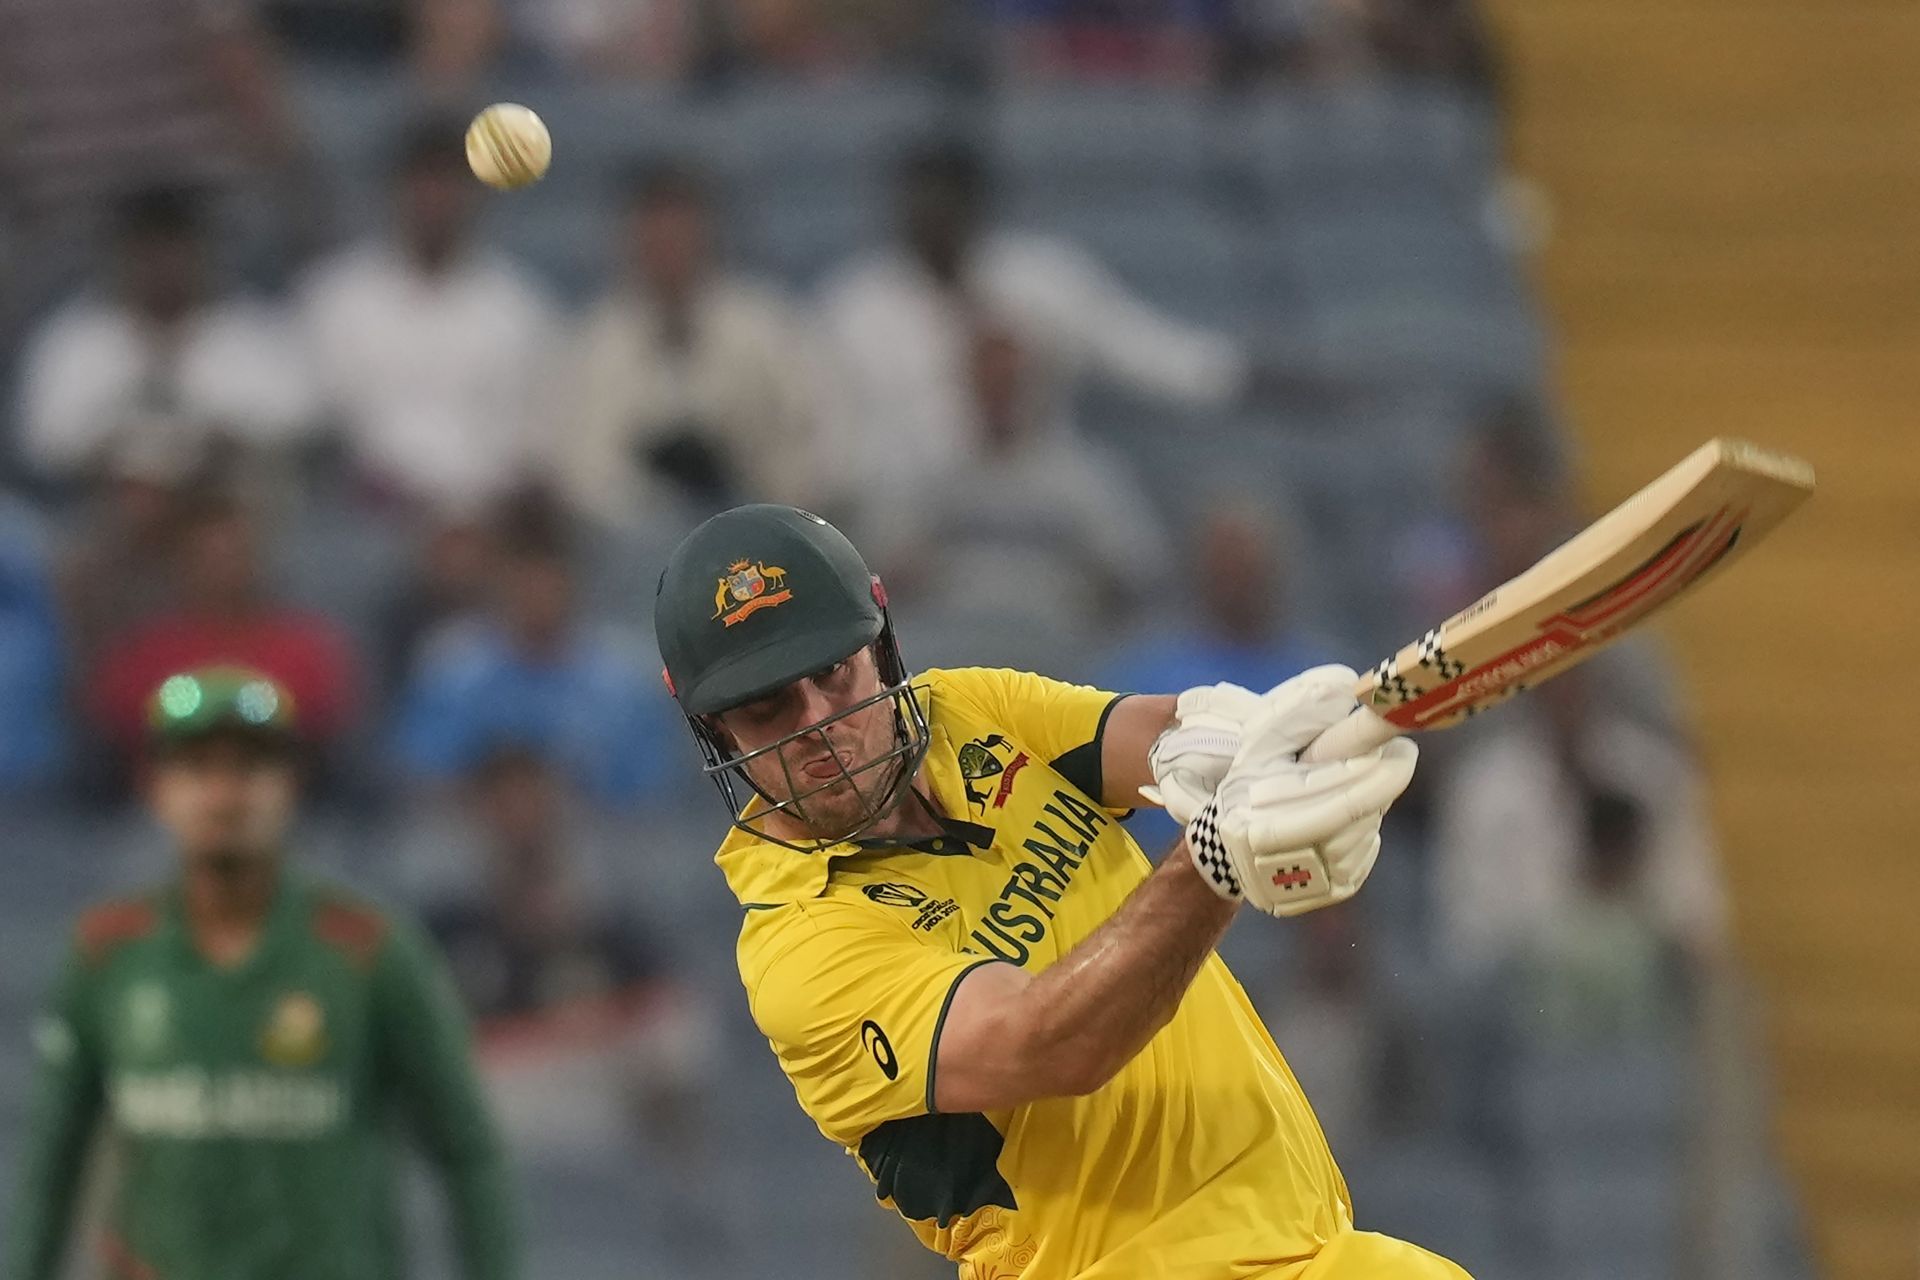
(508, 146)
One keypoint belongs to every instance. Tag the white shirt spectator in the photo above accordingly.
(437, 377)
(97, 376)
(1050, 537)
(898, 345)
(742, 379)
(1510, 837)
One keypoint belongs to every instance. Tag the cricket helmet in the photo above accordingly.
(754, 599)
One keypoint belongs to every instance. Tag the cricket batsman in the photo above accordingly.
(247, 1037)
(974, 979)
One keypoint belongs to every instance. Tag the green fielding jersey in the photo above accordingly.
(254, 1112)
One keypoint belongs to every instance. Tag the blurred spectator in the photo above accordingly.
(104, 95)
(339, 30)
(1162, 41)
(449, 580)
(823, 39)
(1344, 41)
(535, 672)
(115, 571)
(525, 930)
(222, 613)
(1039, 533)
(593, 1053)
(1236, 624)
(1513, 490)
(454, 41)
(432, 348)
(619, 39)
(898, 324)
(450, 44)
(556, 971)
(152, 372)
(447, 43)
(1238, 627)
(33, 729)
(688, 380)
(1606, 971)
(1518, 842)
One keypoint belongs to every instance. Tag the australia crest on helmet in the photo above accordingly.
(747, 587)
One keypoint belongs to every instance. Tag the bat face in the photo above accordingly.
(1646, 552)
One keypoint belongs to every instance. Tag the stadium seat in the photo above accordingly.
(1432, 147)
(1113, 138)
(1625, 1214)
(820, 135)
(602, 131)
(1626, 1102)
(1465, 345)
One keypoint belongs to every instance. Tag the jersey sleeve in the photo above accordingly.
(853, 1006)
(67, 1100)
(1063, 723)
(427, 1063)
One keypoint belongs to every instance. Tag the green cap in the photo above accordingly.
(756, 598)
(209, 700)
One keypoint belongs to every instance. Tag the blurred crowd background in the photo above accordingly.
(1138, 342)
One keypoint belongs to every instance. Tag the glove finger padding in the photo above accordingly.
(1311, 804)
(1293, 714)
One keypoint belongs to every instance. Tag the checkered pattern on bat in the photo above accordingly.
(1209, 853)
(1392, 688)
(1434, 656)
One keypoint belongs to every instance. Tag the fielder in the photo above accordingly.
(975, 981)
(249, 1038)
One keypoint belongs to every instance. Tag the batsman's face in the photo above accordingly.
(224, 798)
(820, 766)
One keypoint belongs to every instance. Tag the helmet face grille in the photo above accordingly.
(881, 783)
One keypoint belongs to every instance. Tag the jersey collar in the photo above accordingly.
(282, 921)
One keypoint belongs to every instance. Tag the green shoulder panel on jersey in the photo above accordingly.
(937, 1168)
(111, 925)
(1082, 765)
(349, 924)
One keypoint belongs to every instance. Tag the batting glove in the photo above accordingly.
(1191, 756)
(1290, 837)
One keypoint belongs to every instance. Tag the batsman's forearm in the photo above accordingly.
(1097, 1007)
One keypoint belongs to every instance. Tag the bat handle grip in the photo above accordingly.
(1358, 734)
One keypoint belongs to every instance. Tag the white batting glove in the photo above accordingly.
(1192, 755)
(1290, 837)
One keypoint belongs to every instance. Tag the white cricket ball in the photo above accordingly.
(508, 146)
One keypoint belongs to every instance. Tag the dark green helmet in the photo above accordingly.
(755, 599)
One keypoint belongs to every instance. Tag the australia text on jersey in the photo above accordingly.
(1008, 929)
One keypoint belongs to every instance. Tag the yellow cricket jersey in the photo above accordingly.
(1201, 1158)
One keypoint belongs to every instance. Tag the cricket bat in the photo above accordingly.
(1654, 547)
